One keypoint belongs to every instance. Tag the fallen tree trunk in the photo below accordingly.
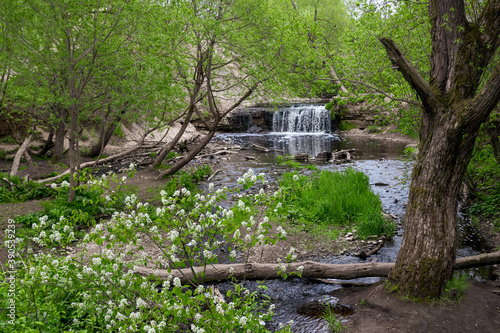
(311, 269)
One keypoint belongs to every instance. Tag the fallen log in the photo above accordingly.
(310, 269)
(220, 152)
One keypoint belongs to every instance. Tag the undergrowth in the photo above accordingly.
(339, 198)
(15, 189)
(484, 171)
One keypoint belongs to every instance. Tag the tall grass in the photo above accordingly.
(336, 197)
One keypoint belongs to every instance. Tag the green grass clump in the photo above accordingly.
(345, 125)
(335, 324)
(341, 198)
(187, 179)
(456, 288)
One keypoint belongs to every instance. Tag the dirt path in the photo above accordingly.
(10, 211)
(377, 311)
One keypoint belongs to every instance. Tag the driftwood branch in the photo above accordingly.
(310, 269)
(19, 154)
(88, 164)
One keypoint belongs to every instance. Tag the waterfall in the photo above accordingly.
(302, 119)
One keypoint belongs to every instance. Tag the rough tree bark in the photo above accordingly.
(453, 110)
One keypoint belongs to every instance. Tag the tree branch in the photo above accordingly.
(486, 100)
(410, 73)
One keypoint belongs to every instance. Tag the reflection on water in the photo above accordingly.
(382, 161)
(313, 144)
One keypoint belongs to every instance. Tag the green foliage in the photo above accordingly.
(3, 154)
(345, 125)
(23, 191)
(187, 179)
(359, 56)
(171, 154)
(484, 170)
(95, 291)
(329, 197)
(456, 288)
(9, 139)
(335, 324)
(289, 161)
(118, 131)
(373, 129)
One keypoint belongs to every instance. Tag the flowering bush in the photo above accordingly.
(94, 286)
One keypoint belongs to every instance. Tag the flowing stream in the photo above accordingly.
(383, 162)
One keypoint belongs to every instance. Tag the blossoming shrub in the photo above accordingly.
(95, 288)
(340, 198)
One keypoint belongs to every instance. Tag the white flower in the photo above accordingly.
(300, 269)
(232, 255)
(281, 231)
(124, 178)
(140, 303)
(211, 187)
(176, 193)
(53, 185)
(177, 282)
(131, 166)
(241, 204)
(119, 316)
(199, 289)
(34, 226)
(295, 177)
(243, 320)
(197, 329)
(197, 317)
(64, 183)
(219, 308)
(173, 235)
(231, 270)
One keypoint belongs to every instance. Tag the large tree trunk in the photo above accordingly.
(426, 258)
(452, 113)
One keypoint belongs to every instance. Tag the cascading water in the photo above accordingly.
(302, 119)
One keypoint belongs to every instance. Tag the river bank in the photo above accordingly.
(385, 312)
